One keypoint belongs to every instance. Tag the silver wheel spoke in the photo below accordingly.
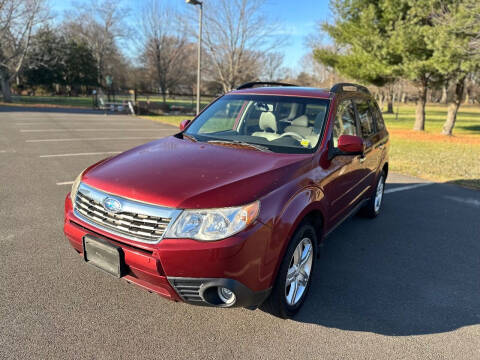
(307, 252)
(298, 274)
(379, 194)
(297, 255)
(290, 276)
(292, 292)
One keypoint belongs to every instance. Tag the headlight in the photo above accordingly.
(213, 224)
(76, 184)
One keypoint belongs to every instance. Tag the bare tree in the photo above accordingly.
(166, 52)
(101, 25)
(272, 66)
(237, 34)
(17, 21)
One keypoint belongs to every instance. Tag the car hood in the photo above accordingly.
(184, 174)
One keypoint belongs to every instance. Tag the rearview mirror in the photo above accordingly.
(351, 145)
(184, 124)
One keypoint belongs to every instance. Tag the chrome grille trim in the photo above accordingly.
(136, 220)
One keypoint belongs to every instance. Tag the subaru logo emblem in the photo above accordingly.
(112, 205)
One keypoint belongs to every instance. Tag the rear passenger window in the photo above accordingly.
(344, 121)
(377, 115)
(365, 117)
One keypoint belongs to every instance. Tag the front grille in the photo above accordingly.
(189, 290)
(137, 221)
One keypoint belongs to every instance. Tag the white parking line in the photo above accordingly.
(469, 201)
(65, 183)
(63, 130)
(96, 139)
(408, 187)
(80, 154)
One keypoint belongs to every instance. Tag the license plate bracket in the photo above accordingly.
(104, 255)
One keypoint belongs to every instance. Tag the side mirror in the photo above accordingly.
(184, 124)
(351, 145)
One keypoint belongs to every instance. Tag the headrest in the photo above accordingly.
(319, 120)
(300, 121)
(268, 121)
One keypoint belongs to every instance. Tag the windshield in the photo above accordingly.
(276, 123)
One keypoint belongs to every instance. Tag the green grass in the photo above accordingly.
(431, 155)
(438, 161)
(87, 101)
(75, 101)
(468, 119)
(167, 119)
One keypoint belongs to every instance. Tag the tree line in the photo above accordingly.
(423, 50)
(425, 43)
(152, 48)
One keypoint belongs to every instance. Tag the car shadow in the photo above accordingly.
(413, 270)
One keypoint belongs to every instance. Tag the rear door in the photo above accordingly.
(368, 131)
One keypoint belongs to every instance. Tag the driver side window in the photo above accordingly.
(344, 123)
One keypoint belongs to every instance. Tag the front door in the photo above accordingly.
(344, 184)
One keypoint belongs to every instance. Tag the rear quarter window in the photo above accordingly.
(365, 117)
(377, 115)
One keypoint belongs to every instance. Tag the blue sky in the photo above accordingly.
(298, 19)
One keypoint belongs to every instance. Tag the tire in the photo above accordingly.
(374, 205)
(283, 302)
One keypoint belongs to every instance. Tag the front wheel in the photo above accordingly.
(294, 276)
(372, 209)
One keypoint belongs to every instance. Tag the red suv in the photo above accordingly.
(231, 210)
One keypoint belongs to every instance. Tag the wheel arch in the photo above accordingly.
(305, 206)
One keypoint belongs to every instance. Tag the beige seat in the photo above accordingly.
(267, 122)
(300, 127)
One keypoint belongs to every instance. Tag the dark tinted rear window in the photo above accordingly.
(377, 115)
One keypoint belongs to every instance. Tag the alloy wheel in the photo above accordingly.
(298, 274)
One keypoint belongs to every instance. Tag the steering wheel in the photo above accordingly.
(292, 134)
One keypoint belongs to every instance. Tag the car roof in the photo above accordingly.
(285, 91)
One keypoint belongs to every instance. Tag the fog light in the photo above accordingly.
(226, 295)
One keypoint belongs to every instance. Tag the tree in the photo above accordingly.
(362, 35)
(456, 52)
(382, 41)
(54, 59)
(80, 65)
(237, 34)
(272, 66)
(17, 21)
(166, 52)
(410, 42)
(45, 62)
(101, 25)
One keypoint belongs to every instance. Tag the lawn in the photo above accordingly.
(87, 101)
(431, 155)
(428, 154)
(69, 101)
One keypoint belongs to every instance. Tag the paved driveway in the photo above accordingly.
(405, 285)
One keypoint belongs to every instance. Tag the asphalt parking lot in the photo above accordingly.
(403, 286)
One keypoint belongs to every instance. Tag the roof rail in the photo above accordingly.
(268, 83)
(338, 88)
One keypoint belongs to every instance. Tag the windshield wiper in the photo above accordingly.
(190, 137)
(241, 143)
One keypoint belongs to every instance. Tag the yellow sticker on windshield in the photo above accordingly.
(305, 143)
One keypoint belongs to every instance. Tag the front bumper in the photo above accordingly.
(189, 270)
